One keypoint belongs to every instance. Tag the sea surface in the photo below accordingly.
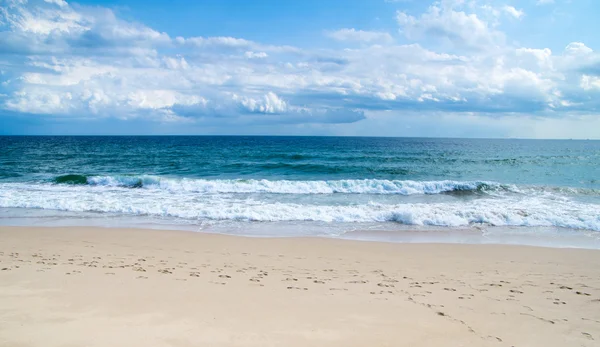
(540, 192)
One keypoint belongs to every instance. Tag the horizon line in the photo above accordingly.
(324, 136)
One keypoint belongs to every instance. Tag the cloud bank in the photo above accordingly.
(450, 63)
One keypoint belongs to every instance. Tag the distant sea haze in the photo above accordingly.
(325, 186)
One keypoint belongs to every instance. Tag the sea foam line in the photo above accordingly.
(364, 186)
(513, 211)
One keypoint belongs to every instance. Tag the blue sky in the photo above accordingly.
(460, 68)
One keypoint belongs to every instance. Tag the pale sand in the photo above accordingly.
(108, 287)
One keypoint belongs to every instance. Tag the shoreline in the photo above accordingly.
(545, 237)
(132, 287)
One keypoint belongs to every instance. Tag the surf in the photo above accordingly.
(360, 186)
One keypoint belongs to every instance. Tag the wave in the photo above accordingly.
(365, 186)
(507, 211)
(71, 179)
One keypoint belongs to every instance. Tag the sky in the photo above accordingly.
(449, 68)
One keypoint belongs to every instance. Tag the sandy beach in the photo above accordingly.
(123, 287)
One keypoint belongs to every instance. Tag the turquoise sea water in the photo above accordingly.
(371, 188)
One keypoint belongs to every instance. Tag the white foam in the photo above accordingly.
(366, 186)
(536, 210)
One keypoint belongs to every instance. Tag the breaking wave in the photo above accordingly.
(193, 199)
(365, 186)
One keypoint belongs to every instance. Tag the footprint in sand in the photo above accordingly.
(588, 336)
(582, 293)
(385, 285)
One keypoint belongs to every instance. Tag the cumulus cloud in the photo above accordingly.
(577, 48)
(590, 82)
(269, 103)
(78, 61)
(450, 23)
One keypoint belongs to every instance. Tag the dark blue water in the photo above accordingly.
(336, 182)
(531, 162)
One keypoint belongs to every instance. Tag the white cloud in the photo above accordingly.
(255, 55)
(359, 35)
(513, 11)
(590, 82)
(155, 99)
(269, 103)
(450, 22)
(78, 61)
(215, 41)
(61, 3)
(44, 20)
(577, 48)
(40, 101)
(177, 62)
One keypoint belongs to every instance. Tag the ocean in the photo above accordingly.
(539, 192)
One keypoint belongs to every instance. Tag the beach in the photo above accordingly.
(125, 287)
(389, 173)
